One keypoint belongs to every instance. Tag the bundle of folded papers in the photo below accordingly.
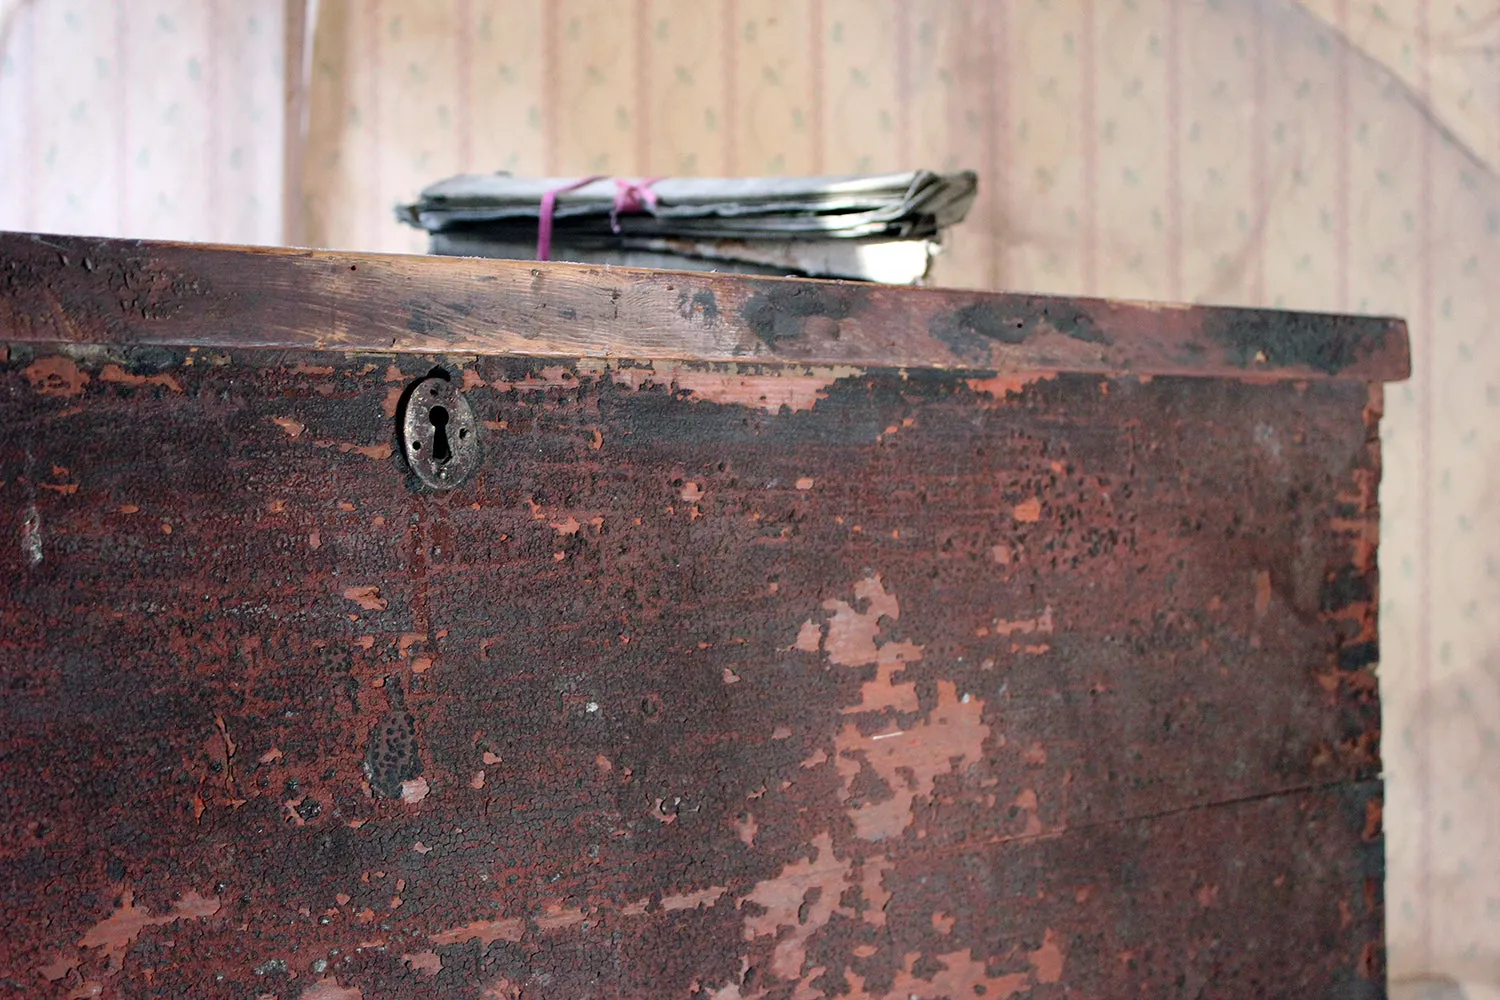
(883, 228)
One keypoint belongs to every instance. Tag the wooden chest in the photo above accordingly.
(754, 638)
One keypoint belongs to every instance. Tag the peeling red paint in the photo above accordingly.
(483, 931)
(872, 887)
(115, 932)
(960, 975)
(1041, 624)
(367, 597)
(851, 633)
(781, 899)
(999, 387)
(928, 704)
(809, 637)
(769, 393)
(693, 900)
(118, 375)
(391, 403)
(380, 452)
(556, 916)
(1048, 960)
(56, 376)
(745, 827)
(58, 968)
(1262, 593)
(909, 761)
(414, 791)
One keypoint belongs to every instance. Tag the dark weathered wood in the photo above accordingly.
(72, 289)
(884, 685)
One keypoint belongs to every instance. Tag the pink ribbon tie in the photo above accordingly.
(549, 204)
(631, 197)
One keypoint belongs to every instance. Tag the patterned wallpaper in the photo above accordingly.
(1330, 154)
(152, 118)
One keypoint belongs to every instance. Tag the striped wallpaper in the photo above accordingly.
(1327, 154)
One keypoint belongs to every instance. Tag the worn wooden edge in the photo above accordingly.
(86, 290)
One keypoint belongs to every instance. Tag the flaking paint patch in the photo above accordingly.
(782, 899)
(1048, 960)
(118, 375)
(55, 376)
(367, 597)
(883, 692)
(1041, 624)
(555, 916)
(379, 452)
(486, 932)
(768, 393)
(746, 828)
(115, 932)
(809, 637)
(693, 900)
(872, 888)
(851, 633)
(415, 790)
(1027, 803)
(1262, 581)
(58, 968)
(732, 991)
(796, 389)
(427, 963)
(961, 975)
(562, 376)
(794, 905)
(1001, 387)
(909, 762)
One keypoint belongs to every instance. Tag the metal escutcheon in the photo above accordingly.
(439, 434)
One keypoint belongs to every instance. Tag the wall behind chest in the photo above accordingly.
(1335, 154)
(153, 118)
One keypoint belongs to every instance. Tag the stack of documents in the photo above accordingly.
(880, 228)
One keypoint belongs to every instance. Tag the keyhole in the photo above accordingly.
(440, 450)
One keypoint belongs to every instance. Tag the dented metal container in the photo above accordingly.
(764, 638)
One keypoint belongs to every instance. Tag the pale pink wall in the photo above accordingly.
(1337, 154)
(157, 118)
